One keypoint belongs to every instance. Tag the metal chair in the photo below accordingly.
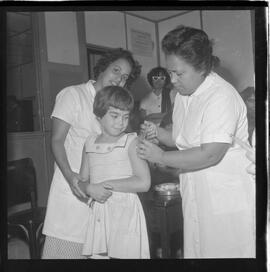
(24, 216)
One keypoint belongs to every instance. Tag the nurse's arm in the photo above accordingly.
(195, 158)
(60, 130)
(165, 136)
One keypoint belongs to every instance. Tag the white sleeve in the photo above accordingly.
(220, 119)
(66, 105)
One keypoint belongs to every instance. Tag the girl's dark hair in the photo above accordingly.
(193, 45)
(113, 55)
(158, 71)
(112, 96)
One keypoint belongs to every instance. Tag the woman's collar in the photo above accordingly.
(204, 85)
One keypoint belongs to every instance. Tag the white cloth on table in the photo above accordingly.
(218, 202)
(66, 216)
(116, 227)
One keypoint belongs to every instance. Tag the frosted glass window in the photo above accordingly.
(22, 100)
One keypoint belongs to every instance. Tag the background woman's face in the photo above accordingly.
(158, 81)
(115, 74)
(184, 77)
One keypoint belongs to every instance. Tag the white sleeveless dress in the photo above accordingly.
(116, 228)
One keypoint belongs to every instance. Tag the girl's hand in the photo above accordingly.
(73, 179)
(100, 191)
(149, 151)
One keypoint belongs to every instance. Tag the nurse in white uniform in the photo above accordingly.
(72, 122)
(218, 195)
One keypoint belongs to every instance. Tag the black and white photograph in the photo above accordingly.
(131, 132)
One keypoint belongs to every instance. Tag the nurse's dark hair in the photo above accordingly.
(112, 96)
(116, 54)
(158, 71)
(193, 46)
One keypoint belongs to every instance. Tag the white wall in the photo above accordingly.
(189, 19)
(231, 31)
(105, 28)
(148, 62)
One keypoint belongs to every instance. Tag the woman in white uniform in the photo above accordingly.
(218, 195)
(73, 121)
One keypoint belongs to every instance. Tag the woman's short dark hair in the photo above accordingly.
(193, 45)
(113, 55)
(158, 71)
(112, 96)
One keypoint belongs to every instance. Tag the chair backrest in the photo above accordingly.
(21, 182)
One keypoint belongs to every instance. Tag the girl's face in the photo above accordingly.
(116, 74)
(158, 81)
(114, 122)
(183, 76)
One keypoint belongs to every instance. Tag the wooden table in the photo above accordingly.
(164, 216)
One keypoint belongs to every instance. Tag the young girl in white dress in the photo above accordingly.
(117, 227)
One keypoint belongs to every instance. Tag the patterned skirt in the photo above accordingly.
(55, 248)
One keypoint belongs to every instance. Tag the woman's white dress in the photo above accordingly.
(218, 202)
(116, 228)
(66, 216)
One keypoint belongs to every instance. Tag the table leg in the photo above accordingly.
(164, 233)
(32, 241)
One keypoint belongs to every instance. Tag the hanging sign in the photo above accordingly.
(141, 43)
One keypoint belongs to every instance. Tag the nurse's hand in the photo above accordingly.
(99, 191)
(73, 179)
(149, 131)
(149, 151)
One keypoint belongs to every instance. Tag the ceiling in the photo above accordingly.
(156, 15)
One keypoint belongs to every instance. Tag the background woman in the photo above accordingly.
(73, 121)
(157, 103)
(218, 195)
